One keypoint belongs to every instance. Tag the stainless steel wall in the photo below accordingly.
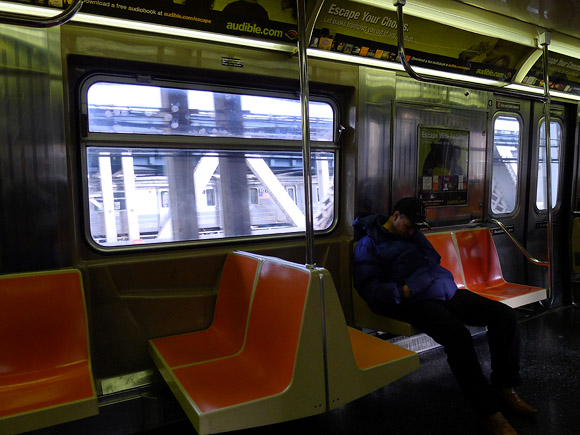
(376, 96)
(439, 106)
(391, 108)
(34, 216)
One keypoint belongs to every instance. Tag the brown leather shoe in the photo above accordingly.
(515, 403)
(496, 424)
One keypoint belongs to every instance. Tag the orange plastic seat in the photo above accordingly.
(358, 363)
(225, 336)
(483, 273)
(45, 370)
(368, 351)
(445, 246)
(279, 373)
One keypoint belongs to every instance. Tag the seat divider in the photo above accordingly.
(456, 245)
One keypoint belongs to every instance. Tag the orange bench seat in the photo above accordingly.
(226, 334)
(265, 367)
(45, 369)
(470, 255)
(358, 363)
(483, 274)
(369, 352)
(445, 246)
(281, 372)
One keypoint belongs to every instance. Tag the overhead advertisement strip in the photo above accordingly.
(366, 31)
(358, 32)
(271, 20)
(564, 73)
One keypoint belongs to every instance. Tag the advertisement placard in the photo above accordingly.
(442, 165)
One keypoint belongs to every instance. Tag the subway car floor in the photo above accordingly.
(429, 401)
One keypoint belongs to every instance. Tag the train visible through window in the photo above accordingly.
(181, 191)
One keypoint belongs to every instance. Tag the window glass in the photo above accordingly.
(253, 195)
(506, 162)
(292, 192)
(210, 196)
(157, 195)
(555, 146)
(153, 110)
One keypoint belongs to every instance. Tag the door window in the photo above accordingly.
(506, 164)
(555, 147)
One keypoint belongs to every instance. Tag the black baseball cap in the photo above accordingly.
(414, 209)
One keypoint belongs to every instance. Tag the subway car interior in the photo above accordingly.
(178, 186)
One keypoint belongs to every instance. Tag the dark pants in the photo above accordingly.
(445, 321)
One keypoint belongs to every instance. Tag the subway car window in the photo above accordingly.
(126, 192)
(153, 193)
(555, 146)
(506, 163)
(139, 109)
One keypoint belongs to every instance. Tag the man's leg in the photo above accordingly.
(436, 320)
(504, 344)
(502, 332)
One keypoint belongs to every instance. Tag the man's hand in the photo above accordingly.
(406, 291)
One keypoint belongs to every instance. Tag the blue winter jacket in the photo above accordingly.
(383, 263)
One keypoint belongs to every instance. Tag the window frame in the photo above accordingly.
(517, 206)
(89, 139)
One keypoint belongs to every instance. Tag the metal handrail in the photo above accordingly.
(514, 240)
(41, 22)
(312, 20)
(448, 82)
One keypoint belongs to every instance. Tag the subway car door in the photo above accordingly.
(537, 214)
(575, 212)
(507, 162)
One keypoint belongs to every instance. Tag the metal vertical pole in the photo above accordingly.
(306, 158)
(303, 40)
(544, 40)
